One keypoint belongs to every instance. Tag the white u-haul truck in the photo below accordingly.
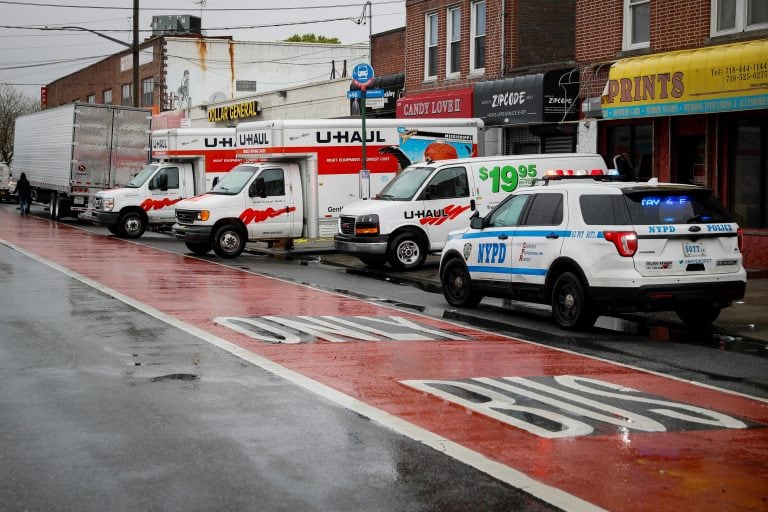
(307, 171)
(185, 162)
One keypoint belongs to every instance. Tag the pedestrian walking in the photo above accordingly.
(23, 190)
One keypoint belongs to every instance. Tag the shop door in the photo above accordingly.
(690, 163)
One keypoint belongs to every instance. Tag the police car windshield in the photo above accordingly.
(405, 185)
(140, 178)
(234, 181)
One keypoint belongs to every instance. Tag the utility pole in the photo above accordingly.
(135, 48)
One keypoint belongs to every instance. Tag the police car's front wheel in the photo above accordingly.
(457, 285)
(570, 305)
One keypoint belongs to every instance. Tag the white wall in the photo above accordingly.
(208, 69)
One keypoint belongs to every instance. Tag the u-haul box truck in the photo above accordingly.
(185, 162)
(414, 213)
(307, 171)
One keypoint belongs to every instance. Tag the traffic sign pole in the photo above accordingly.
(362, 75)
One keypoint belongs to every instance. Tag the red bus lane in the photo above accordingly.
(613, 436)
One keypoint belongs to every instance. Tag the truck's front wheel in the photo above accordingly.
(228, 241)
(199, 248)
(406, 252)
(132, 225)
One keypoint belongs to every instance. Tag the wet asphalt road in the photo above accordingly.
(105, 405)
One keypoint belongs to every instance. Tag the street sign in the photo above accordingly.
(369, 93)
(374, 102)
(362, 74)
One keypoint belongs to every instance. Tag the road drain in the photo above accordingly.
(176, 376)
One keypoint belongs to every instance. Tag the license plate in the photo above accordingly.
(78, 200)
(693, 250)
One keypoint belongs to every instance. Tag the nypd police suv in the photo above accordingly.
(589, 245)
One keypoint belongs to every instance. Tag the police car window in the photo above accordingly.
(545, 210)
(274, 182)
(679, 206)
(448, 183)
(508, 213)
(604, 209)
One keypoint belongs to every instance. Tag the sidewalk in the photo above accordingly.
(747, 319)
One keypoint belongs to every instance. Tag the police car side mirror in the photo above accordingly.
(476, 221)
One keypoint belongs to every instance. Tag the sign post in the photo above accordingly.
(362, 76)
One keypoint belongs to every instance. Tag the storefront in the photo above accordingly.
(537, 113)
(451, 103)
(700, 117)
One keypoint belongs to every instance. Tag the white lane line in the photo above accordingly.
(506, 474)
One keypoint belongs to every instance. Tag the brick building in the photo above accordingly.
(508, 62)
(681, 88)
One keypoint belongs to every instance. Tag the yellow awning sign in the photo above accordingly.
(714, 79)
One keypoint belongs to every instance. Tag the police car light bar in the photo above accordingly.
(556, 174)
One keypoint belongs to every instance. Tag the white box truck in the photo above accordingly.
(303, 172)
(7, 184)
(185, 162)
(71, 152)
(412, 216)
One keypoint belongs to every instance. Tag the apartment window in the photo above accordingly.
(733, 16)
(430, 64)
(91, 98)
(127, 99)
(147, 89)
(637, 24)
(107, 97)
(453, 48)
(477, 50)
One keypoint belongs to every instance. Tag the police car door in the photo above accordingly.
(489, 248)
(539, 238)
(271, 207)
(164, 192)
(445, 204)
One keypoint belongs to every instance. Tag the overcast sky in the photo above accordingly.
(30, 58)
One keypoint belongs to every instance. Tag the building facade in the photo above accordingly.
(508, 62)
(680, 87)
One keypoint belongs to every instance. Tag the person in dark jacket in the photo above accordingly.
(23, 190)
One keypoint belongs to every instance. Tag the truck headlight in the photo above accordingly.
(367, 225)
(203, 215)
(107, 204)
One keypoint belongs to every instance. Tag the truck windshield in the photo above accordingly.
(140, 178)
(234, 181)
(405, 185)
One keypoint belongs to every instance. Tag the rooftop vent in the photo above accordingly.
(175, 25)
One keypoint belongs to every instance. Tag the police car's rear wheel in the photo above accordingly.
(457, 285)
(570, 306)
(699, 316)
(406, 252)
(229, 241)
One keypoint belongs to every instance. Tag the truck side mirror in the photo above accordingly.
(476, 221)
(257, 188)
(215, 182)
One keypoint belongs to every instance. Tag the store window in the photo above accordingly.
(147, 90)
(748, 172)
(637, 24)
(453, 48)
(430, 57)
(733, 16)
(634, 145)
(127, 97)
(477, 51)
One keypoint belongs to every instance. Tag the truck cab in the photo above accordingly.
(147, 199)
(254, 201)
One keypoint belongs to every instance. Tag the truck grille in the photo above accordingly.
(185, 216)
(346, 225)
